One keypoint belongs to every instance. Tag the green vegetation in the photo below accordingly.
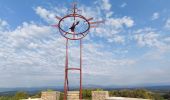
(167, 96)
(38, 95)
(20, 95)
(17, 96)
(87, 93)
(137, 93)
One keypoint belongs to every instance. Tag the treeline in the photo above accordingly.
(20, 95)
(138, 93)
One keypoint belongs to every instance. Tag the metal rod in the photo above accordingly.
(73, 69)
(98, 22)
(90, 19)
(66, 72)
(59, 18)
(80, 69)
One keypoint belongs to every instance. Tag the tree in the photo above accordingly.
(38, 95)
(20, 95)
(87, 93)
(138, 93)
(167, 95)
(5, 98)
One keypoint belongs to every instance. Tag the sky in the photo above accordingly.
(132, 47)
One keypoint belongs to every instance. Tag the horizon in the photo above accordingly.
(60, 88)
(92, 86)
(131, 48)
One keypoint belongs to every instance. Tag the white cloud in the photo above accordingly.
(3, 24)
(117, 39)
(45, 14)
(28, 32)
(98, 59)
(148, 37)
(152, 39)
(167, 39)
(127, 21)
(109, 14)
(167, 24)
(37, 53)
(119, 22)
(156, 43)
(155, 16)
(123, 5)
(88, 12)
(106, 5)
(111, 27)
(33, 45)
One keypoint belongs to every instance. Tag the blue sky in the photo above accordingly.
(131, 48)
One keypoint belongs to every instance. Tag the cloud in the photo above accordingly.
(119, 22)
(27, 52)
(167, 24)
(103, 6)
(37, 52)
(3, 24)
(123, 5)
(148, 37)
(22, 35)
(48, 16)
(101, 55)
(155, 16)
(117, 39)
(111, 27)
(106, 5)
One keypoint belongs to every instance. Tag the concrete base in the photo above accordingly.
(73, 95)
(52, 95)
(100, 95)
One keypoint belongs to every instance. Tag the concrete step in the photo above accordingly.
(73, 95)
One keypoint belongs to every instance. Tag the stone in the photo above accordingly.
(100, 95)
(73, 95)
(50, 95)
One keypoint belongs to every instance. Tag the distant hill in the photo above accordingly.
(159, 87)
(33, 90)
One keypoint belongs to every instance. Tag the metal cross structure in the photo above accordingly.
(74, 26)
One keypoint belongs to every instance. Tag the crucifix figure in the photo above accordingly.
(74, 26)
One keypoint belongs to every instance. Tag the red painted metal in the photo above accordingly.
(66, 72)
(98, 22)
(73, 68)
(90, 19)
(80, 69)
(75, 35)
(64, 33)
(66, 82)
(59, 18)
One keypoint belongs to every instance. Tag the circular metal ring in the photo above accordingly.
(64, 33)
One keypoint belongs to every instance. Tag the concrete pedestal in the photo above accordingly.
(73, 95)
(100, 95)
(52, 95)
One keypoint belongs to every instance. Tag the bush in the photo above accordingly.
(138, 93)
(20, 95)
